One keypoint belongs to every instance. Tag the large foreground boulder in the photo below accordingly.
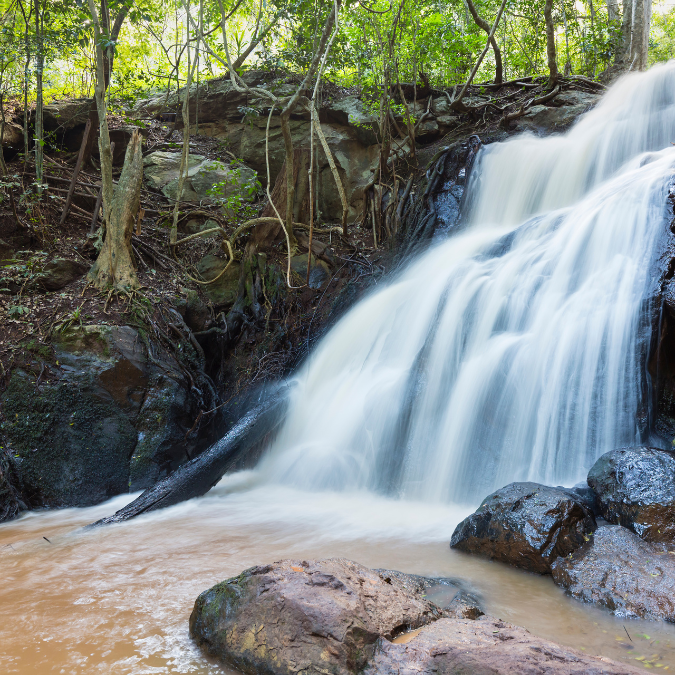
(338, 617)
(526, 525)
(636, 489)
(285, 617)
(619, 571)
(484, 647)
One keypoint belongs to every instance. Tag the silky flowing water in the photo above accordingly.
(117, 600)
(516, 349)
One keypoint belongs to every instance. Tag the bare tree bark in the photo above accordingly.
(482, 23)
(550, 45)
(104, 136)
(634, 50)
(114, 266)
(39, 68)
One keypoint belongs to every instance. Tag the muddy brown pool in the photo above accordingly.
(117, 599)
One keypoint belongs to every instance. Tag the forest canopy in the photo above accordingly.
(434, 41)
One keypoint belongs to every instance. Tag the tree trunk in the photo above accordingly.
(108, 58)
(114, 266)
(39, 125)
(482, 23)
(550, 45)
(634, 49)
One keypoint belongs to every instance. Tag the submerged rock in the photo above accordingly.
(484, 647)
(619, 571)
(336, 616)
(636, 489)
(526, 525)
(288, 616)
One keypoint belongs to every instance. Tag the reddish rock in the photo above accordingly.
(484, 647)
(338, 617)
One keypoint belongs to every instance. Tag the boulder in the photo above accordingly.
(427, 131)
(196, 312)
(484, 647)
(336, 616)
(65, 115)
(319, 272)
(12, 136)
(11, 503)
(59, 273)
(161, 169)
(351, 111)
(98, 415)
(288, 616)
(619, 571)
(195, 225)
(526, 525)
(559, 114)
(221, 293)
(636, 489)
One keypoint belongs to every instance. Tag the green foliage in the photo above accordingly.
(237, 204)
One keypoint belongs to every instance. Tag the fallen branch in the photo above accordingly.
(198, 476)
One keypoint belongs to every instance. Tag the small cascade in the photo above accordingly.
(515, 349)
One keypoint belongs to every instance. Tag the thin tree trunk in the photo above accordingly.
(482, 23)
(550, 45)
(39, 125)
(104, 136)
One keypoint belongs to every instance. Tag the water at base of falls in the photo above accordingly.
(516, 349)
(118, 599)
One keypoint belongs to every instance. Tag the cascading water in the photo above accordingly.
(515, 350)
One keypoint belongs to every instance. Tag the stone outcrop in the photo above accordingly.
(284, 617)
(526, 525)
(240, 121)
(558, 115)
(619, 571)
(96, 419)
(636, 489)
(484, 647)
(161, 171)
(336, 616)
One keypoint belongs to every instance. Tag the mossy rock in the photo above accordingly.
(224, 291)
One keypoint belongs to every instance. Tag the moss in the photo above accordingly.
(72, 448)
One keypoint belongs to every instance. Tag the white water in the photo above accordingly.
(516, 349)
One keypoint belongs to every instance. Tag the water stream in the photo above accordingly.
(514, 350)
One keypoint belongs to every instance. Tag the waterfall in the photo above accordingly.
(515, 349)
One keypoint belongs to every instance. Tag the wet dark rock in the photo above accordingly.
(95, 418)
(288, 616)
(70, 448)
(336, 616)
(6, 251)
(59, 273)
(196, 312)
(619, 571)
(586, 495)
(11, 503)
(484, 647)
(526, 525)
(636, 489)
